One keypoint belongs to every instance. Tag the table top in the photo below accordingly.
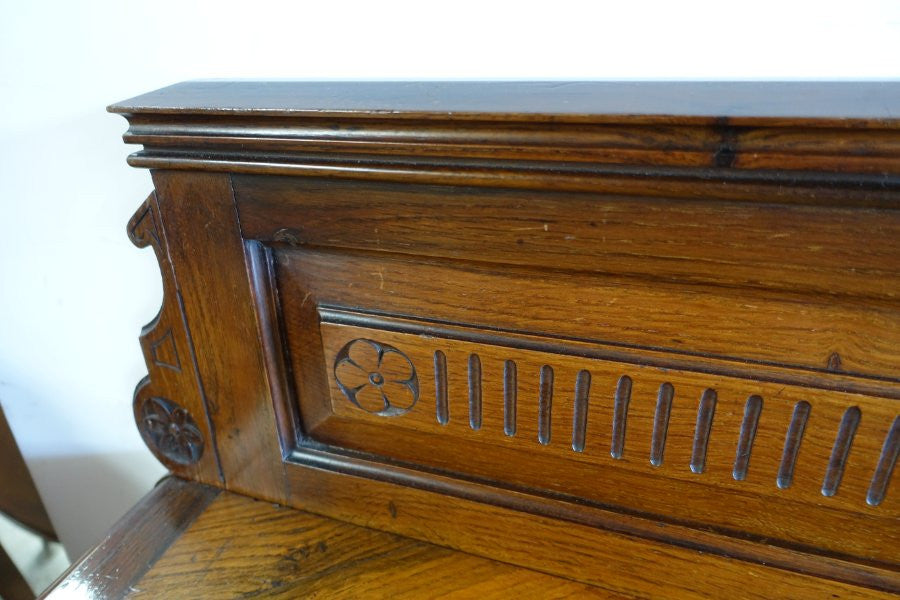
(186, 539)
(872, 103)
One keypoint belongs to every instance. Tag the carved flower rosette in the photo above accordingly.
(171, 429)
(376, 377)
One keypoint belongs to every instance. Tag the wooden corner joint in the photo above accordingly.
(166, 425)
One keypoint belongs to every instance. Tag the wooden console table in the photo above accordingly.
(493, 339)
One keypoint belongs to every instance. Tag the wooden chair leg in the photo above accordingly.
(12, 585)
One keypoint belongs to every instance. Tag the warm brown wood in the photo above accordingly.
(585, 551)
(229, 545)
(241, 547)
(830, 251)
(561, 306)
(656, 146)
(641, 336)
(337, 494)
(185, 540)
(207, 254)
(170, 404)
(681, 140)
(761, 329)
(712, 496)
(135, 542)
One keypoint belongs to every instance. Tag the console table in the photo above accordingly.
(556, 339)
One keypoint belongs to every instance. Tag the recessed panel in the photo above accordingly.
(433, 366)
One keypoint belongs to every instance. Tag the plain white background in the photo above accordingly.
(74, 292)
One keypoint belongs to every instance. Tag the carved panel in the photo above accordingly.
(651, 419)
(633, 433)
(169, 407)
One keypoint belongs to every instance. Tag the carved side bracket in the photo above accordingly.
(169, 405)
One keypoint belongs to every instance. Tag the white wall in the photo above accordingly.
(74, 292)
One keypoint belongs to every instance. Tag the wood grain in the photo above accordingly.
(698, 464)
(640, 336)
(186, 539)
(656, 147)
(245, 548)
(692, 323)
(208, 259)
(597, 556)
(170, 404)
(835, 143)
(135, 542)
(834, 250)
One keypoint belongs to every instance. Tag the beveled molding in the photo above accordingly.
(718, 154)
(169, 408)
(861, 190)
(737, 151)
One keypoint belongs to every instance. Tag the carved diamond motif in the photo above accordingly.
(165, 353)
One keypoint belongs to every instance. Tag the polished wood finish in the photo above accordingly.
(831, 250)
(696, 464)
(241, 546)
(170, 403)
(726, 140)
(238, 546)
(639, 336)
(207, 253)
(600, 547)
(135, 542)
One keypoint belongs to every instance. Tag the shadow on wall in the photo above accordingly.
(39, 561)
(74, 306)
(98, 488)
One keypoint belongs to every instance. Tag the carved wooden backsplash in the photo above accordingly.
(679, 328)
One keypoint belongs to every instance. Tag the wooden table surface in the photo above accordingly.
(188, 540)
